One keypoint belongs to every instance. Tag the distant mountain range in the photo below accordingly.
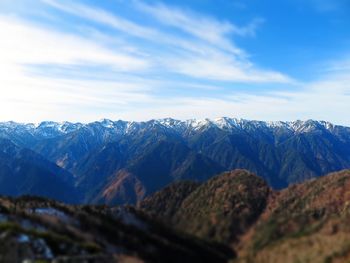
(118, 162)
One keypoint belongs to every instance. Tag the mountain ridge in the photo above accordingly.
(107, 156)
(127, 126)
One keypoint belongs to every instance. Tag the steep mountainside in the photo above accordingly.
(165, 203)
(220, 209)
(122, 162)
(128, 177)
(23, 171)
(306, 222)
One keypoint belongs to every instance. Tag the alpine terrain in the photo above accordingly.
(120, 162)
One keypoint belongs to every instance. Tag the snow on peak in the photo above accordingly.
(234, 123)
(48, 129)
(299, 126)
(51, 129)
(225, 122)
(107, 123)
(197, 124)
(169, 122)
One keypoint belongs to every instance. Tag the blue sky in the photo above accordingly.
(138, 60)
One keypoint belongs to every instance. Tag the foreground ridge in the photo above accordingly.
(35, 229)
(306, 222)
(233, 217)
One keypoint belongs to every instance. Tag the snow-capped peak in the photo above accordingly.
(197, 124)
(49, 129)
(225, 122)
(107, 123)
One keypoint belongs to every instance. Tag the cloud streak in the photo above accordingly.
(25, 44)
(209, 41)
(202, 27)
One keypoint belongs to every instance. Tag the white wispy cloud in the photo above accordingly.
(23, 43)
(211, 42)
(220, 58)
(205, 28)
(128, 27)
(218, 66)
(101, 16)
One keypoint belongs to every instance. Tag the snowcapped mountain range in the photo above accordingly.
(48, 129)
(123, 162)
